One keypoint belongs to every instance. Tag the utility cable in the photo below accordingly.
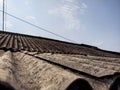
(38, 26)
(5, 15)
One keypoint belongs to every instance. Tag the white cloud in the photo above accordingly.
(1, 1)
(9, 24)
(30, 17)
(83, 8)
(70, 0)
(28, 3)
(84, 5)
(98, 43)
(30, 32)
(68, 11)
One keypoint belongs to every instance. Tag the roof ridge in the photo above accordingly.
(49, 45)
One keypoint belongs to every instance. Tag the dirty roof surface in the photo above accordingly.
(30, 71)
(18, 42)
(95, 66)
(35, 63)
(27, 72)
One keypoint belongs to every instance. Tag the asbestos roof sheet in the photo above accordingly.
(25, 71)
(95, 66)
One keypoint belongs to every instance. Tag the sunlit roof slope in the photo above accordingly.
(19, 42)
(36, 63)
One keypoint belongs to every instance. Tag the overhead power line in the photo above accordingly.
(3, 15)
(38, 26)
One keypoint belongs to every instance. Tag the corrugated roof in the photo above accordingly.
(36, 63)
(91, 66)
(25, 72)
(18, 42)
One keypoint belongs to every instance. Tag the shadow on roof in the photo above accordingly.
(79, 84)
(5, 86)
(116, 84)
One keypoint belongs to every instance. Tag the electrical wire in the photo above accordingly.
(5, 15)
(38, 27)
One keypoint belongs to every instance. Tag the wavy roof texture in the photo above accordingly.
(18, 42)
(36, 63)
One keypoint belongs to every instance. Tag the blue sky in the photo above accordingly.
(93, 22)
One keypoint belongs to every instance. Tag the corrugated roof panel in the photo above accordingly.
(17, 42)
(94, 66)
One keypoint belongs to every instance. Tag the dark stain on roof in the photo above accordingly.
(18, 42)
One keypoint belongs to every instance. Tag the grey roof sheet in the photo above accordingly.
(91, 65)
